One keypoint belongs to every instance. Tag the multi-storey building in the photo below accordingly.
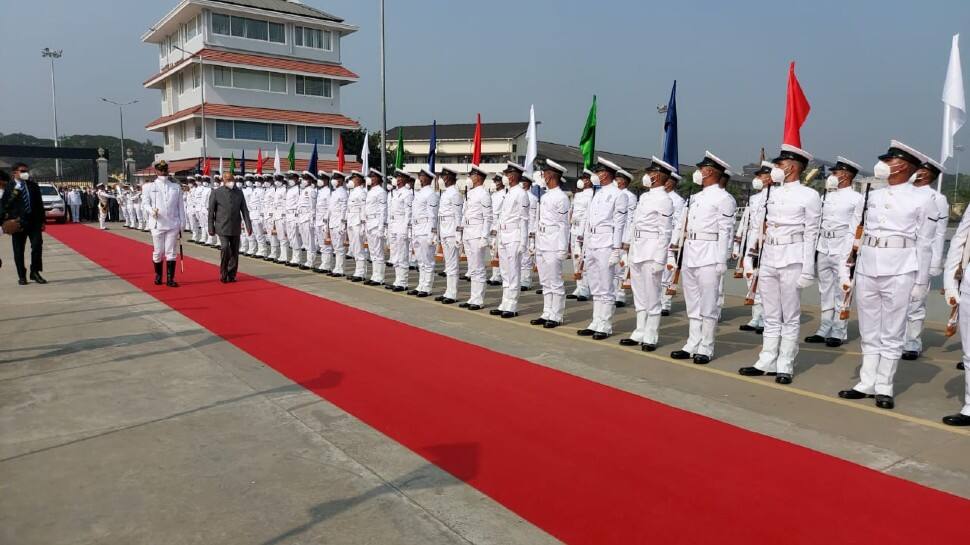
(249, 75)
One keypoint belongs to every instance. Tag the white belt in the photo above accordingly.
(887, 242)
(702, 236)
(643, 234)
(420, 221)
(374, 216)
(602, 229)
(510, 227)
(834, 234)
(785, 239)
(548, 228)
(478, 221)
(577, 223)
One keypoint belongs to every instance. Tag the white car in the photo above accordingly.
(54, 206)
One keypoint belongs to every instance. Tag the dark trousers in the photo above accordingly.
(229, 263)
(36, 256)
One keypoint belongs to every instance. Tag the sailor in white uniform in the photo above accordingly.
(356, 233)
(512, 232)
(529, 254)
(752, 242)
(956, 288)
(623, 180)
(399, 230)
(678, 203)
(163, 206)
(498, 194)
(449, 220)
(476, 224)
(552, 245)
(338, 222)
(375, 224)
(581, 198)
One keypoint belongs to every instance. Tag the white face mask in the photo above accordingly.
(777, 175)
(249, 183)
(757, 184)
(205, 184)
(832, 182)
(291, 183)
(351, 184)
(24, 176)
(304, 183)
(230, 185)
(912, 179)
(882, 170)
(542, 182)
(267, 185)
(697, 177)
(333, 184)
(321, 183)
(278, 183)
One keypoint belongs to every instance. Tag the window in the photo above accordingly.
(318, 87)
(277, 33)
(224, 129)
(181, 132)
(164, 94)
(257, 80)
(248, 130)
(320, 135)
(278, 133)
(168, 136)
(192, 28)
(220, 24)
(244, 27)
(180, 82)
(312, 37)
(198, 129)
(196, 77)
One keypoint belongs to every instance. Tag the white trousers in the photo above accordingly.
(497, 270)
(164, 245)
(195, 226)
(309, 242)
(258, 240)
(700, 295)
(881, 304)
(294, 239)
(400, 257)
(915, 315)
(321, 236)
(582, 288)
(424, 248)
(355, 241)
(528, 263)
(476, 251)
(781, 298)
(553, 287)
(375, 245)
(621, 273)
(831, 296)
(965, 341)
(601, 277)
(75, 213)
(204, 224)
(510, 261)
(666, 280)
(338, 240)
(102, 218)
(451, 248)
(269, 224)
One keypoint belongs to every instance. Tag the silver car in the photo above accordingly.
(54, 206)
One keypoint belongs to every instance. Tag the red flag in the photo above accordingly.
(340, 153)
(259, 161)
(207, 169)
(477, 146)
(796, 110)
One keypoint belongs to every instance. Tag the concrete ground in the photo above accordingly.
(121, 421)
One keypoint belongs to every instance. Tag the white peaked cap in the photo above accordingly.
(852, 164)
(552, 165)
(797, 151)
(601, 161)
(718, 160)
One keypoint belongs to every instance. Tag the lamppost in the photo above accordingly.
(205, 155)
(383, 102)
(662, 110)
(49, 53)
(121, 114)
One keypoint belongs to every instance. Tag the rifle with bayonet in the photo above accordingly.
(679, 261)
(854, 257)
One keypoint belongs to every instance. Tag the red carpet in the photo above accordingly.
(585, 462)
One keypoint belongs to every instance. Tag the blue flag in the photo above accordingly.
(242, 164)
(670, 131)
(312, 167)
(434, 144)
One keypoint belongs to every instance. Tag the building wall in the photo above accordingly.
(192, 147)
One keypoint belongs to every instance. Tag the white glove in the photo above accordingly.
(671, 262)
(614, 257)
(952, 297)
(805, 280)
(656, 267)
(935, 271)
(919, 292)
(720, 268)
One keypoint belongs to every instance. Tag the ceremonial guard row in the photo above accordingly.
(879, 248)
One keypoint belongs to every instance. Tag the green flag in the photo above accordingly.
(587, 142)
(399, 154)
(292, 156)
(232, 164)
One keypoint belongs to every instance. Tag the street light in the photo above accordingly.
(202, 82)
(121, 114)
(49, 53)
(662, 110)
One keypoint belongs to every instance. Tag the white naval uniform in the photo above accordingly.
(668, 274)
(244, 239)
(202, 213)
(292, 203)
(104, 203)
(269, 222)
(552, 248)
(356, 234)
(338, 227)
(648, 238)
(623, 269)
(305, 209)
(424, 232)
(165, 197)
(399, 233)
(529, 254)
(793, 213)
(279, 222)
(602, 243)
(917, 308)
(258, 238)
(756, 219)
(321, 224)
(841, 214)
(710, 218)
(476, 224)
(375, 223)
(954, 261)
(512, 230)
(497, 198)
(142, 220)
(191, 209)
(577, 217)
(894, 256)
(449, 219)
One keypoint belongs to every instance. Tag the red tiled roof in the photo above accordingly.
(187, 166)
(258, 114)
(261, 61)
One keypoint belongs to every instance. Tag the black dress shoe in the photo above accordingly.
(750, 372)
(680, 355)
(423, 294)
(585, 332)
(957, 420)
(599, 336)
(647, 347)
(853, 394)
(158, 273)
(551, 325)
(509, 314)
(746, 327)
(412, 292)
(619, 304)
(960, 366)
(570, 296)
(523, 288)
(493, 283)
(370, 283)
(628, 342)
(665, 312)
(701, 359)
(885, 402)
(832, 342)
(442, 274)
(448, 301)
(759, 330)
(495, 312)
(474, 307)
(22, 281)
(303, 267)
(581, 299)
(539, 292)
(399, 288)
(783, 378)
(36, 277)
(815, 339)
(910, 355)
(466, 278)
(538, 321)
(232, 279)
(412, 268)
(356, 279)
(463, 305)
(337, 275)
(223, 280)
(439, 298)
(390, 287)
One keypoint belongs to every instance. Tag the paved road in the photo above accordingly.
(122, 421)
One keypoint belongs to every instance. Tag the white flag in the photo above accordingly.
(954, 101)
(220, 165)
(531, 146)
(277, 169)
(364, 156)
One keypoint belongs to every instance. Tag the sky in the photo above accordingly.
(872, 69)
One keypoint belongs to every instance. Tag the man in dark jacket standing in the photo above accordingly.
(22, 202)
(227, 211)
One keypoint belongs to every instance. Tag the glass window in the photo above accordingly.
(181, 132)
(198, 129)
(168, 136)
(277, 33)
(320, 135)
(192, 29)
(238, 26)
(279, 133)
(223, 76)
(196, 79)
(257, 30)
(247, 130)
(277, 83)
(250, 79)
(220, 24)
(224, 129)
(180, 81)
(312, 37)
(319, 87)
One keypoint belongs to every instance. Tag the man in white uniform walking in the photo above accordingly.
(163, 205)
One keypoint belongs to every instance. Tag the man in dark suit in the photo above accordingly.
(22, 202)
(227, 211)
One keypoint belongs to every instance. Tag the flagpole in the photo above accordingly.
(383, 100)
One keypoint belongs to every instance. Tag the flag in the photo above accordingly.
(312, 168)
(796, 110)
(242, 165)
(259, 161)
(530, 139)
(340, 152)
(292, 156)
(399, 152)
(954, 101)
(365, 155)
(232, 164)
(432, 150)
(277, 168)
(670, 131)
(477, 144)
(207, 169)
(220, 166)
(587, 142)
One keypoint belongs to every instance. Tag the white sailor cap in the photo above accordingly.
(427, 172)
(899, 150)
(338, 174)
(399, 172)
(711, 160)
(931, 164)
(764, 168)
(190, 177)
(526, 177)
(292, 174)
(448, 170)
(322, 174)
(727, 174)
(625, 174)
(841, 163)
(514, 166)
(248, 175)
(676, 176)
(586, 172)
(308, 174)
(478, 169)
(659, 165)
(789, 151)
(549, 164)
(605, 164)
(375, 172)
(237, 177)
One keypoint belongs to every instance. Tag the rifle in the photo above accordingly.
(741, 241)
(181, 255)
(672, 289)
(854, 256)
(755, 253)
(952, 322)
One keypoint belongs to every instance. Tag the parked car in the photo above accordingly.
(54, 206)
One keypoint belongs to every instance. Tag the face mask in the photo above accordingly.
(777, 175)
(230, 185)
(912, 179)
(304, 183)
(320, 183)
(277, 183)
(882, 170)
(542, 183)
(333, 183)
(205, 184)
(291, 183)
(832, 182)
(697, 177)
(249, 183)
(757, 184)
(24, 176)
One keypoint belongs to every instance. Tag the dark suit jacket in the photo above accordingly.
(12, 206)
(225, 207)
